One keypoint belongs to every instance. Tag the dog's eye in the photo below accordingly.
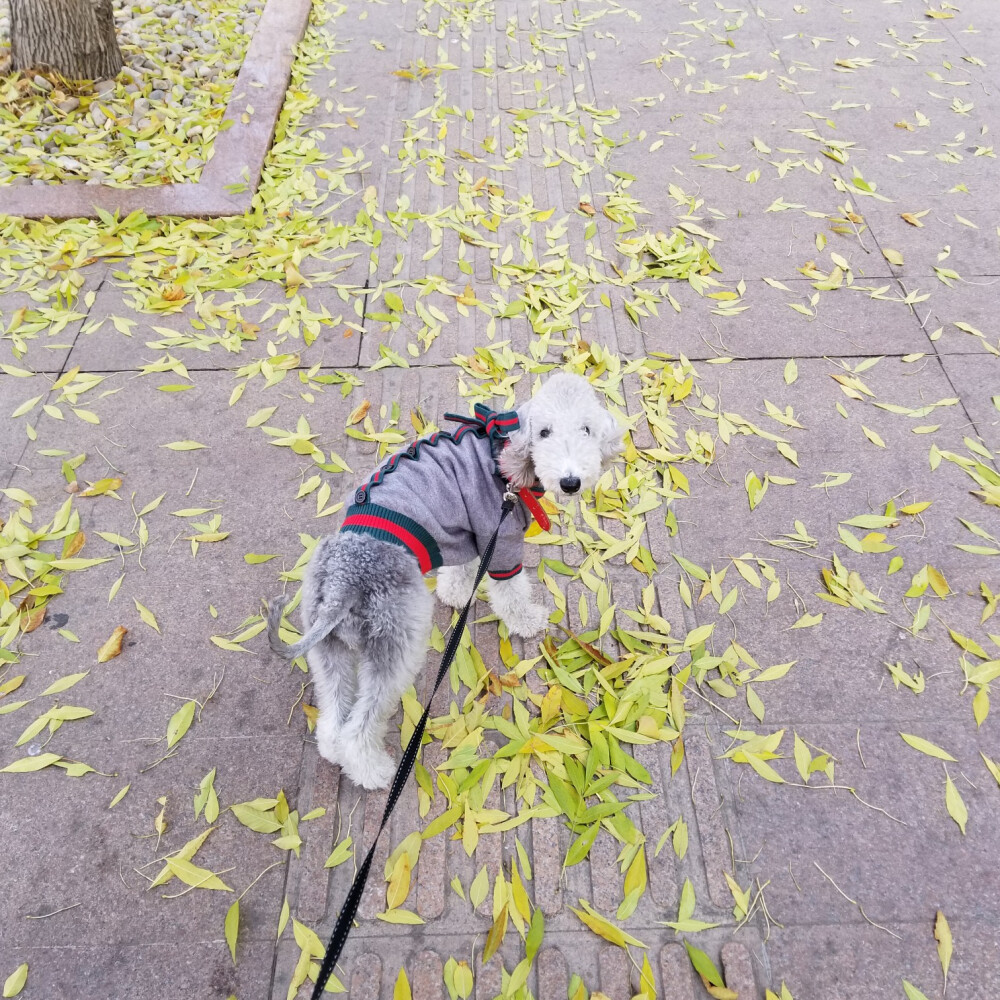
(544, 432)
(586, 430)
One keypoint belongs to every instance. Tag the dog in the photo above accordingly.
(366, 609)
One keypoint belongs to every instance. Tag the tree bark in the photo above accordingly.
(73, 37)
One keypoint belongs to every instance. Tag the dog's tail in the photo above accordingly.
(319, 631)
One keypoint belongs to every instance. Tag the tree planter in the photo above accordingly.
(73, 37)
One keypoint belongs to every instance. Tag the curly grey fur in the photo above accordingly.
(366, 610)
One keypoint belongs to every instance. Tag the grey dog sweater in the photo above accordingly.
(440, 498)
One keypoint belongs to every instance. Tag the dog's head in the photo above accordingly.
(566, 437)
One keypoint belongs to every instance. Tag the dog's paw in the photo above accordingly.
(529, 621)
(454, 586)
(374, 771)
(328, 749)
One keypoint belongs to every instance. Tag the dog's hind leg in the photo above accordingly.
(333, 670)
(394, 652)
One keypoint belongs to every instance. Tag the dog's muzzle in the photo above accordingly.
(569, 484)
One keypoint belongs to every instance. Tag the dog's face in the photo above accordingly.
(566, 438)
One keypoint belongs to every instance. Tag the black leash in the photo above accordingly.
(348, 913)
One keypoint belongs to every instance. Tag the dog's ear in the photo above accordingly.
(609, 438)
(515, 459)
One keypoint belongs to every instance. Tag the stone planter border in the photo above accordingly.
(261, 84)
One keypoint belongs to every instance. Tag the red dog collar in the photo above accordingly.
(537, 512)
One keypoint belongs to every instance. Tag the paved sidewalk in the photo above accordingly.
(808, 358)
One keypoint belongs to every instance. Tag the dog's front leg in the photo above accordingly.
(454, 584)
(511, 600)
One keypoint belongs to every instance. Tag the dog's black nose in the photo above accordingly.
(569, 484)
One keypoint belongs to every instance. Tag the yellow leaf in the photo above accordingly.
(101, 487)
(359, 412)
(146, 615)
(873, 436)
(520, 896)
(463, 980)
(604, 928)
(186, 853)
(75, 544)
(191, 874)
(119, 796)
(31, 763)
(16, 980)
(180, 723)
(551, 704)
(635, 877)
(764, 770)
(113, 646)
(399, 883)
(402, 991)
(942, 934)
(925, 746)
(647, 985)
(496, 935)
(400, 917)
(180, 446)
(956, 807)
(64, 683)
(232, 927)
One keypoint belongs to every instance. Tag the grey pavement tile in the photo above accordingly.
(942, 241)
(717, 525)
(371, 970)
(227, 327)
(714, 157)
(971, 303)
(38, 328)
(683, 60)
(973, 34)
(117, 855)
(148, 971)
(977, 381)
(846, 320)
(953, 873)
(924, 154)
(781, 242)
(835, 962)
(17, 392)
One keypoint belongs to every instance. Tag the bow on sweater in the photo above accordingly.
(488, 423)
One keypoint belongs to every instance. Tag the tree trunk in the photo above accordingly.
(73, 37)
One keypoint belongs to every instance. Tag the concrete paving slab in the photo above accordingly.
(716, 526)
(976, 380)
(738, 161)
(942, 242)
(834, 961)
(38, 328)
(215, 334)
(17, 393)
(969, 303)
(889, 887)
(847, 319)
(152, 970)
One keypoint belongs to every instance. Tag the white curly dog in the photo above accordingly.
(365, 607)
